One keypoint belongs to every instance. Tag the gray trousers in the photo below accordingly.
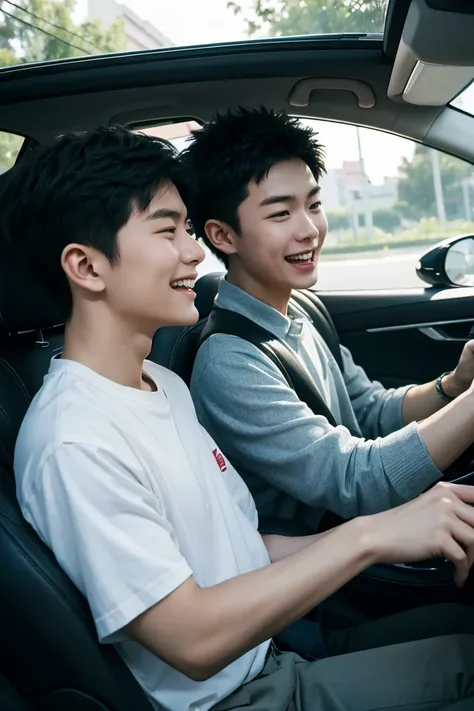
(412, 674)
(428, 675)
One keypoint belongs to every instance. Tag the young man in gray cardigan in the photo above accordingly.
(260, 210)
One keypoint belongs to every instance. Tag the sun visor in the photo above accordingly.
(435, 57)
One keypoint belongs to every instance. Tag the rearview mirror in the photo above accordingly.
(449, 263)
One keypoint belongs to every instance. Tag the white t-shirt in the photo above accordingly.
(133, 497)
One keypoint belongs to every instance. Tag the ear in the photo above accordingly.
(83, 267)
(221, 236)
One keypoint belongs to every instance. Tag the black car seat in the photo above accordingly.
(48, 643)
(10, 700)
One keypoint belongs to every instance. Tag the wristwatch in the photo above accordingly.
(439, 388)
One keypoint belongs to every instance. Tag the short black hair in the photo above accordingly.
(83, 188)
(237, 148)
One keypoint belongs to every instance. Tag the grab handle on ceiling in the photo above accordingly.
(302, 90)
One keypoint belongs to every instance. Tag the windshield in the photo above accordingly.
(465, 100)
(39, 30)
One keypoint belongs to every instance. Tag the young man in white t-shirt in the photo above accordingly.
(142, 510)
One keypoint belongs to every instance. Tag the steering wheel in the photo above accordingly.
(462, 470)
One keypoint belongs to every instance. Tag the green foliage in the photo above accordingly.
(416, 194)
(303, 17)
(338, 219)
(10, 145)
(34, 32)
(386, 218)
(427, 231)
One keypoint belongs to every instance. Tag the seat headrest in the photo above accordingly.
(24, 304)
(206, 291)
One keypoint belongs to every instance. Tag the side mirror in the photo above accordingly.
(449, 263)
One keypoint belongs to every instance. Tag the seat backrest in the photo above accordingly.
(48, 642)
(10, 700)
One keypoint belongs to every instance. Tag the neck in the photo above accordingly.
(276, 297)
(110, 348)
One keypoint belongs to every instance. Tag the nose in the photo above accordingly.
(306, 229)
(193, 253)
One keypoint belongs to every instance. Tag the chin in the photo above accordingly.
(188, 318)
(312, 280)
(182, 317)
(305, 281)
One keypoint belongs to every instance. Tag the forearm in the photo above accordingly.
(421, 401)
(449, 432)
(280, 547)
(202, 630)
(247, 610)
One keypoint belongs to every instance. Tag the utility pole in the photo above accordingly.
(438, 188)
(354, 197)
(466, 200)
(369, 224)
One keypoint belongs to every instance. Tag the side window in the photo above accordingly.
(388, 199)
(10, 145)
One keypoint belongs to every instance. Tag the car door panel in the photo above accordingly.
(403, 336)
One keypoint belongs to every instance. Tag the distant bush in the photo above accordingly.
(386, 218)
(428, 230)
(338, 219)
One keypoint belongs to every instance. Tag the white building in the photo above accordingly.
(341, 185)
(333, 189)
(139, 33)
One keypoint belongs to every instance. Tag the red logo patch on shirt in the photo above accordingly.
(220, 460)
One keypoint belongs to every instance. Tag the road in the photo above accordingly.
(393, 269)
(367, 270)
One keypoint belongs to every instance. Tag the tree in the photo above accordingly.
(39, 30)
(416, 194)
(386, 219)
(303, 17)
(338, 219)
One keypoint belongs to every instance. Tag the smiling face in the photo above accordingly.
(151, 283)
(282, 231)
(154, 278)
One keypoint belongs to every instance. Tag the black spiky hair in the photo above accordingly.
(240, 147)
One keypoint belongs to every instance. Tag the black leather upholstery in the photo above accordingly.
(176, 347)
(24, 360)
(9, 698)
(24, 305)
(48, 643)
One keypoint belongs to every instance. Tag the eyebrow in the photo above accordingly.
(274, 199)
(164, 213)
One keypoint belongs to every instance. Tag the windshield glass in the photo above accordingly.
(39, 30)
(465, 100)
